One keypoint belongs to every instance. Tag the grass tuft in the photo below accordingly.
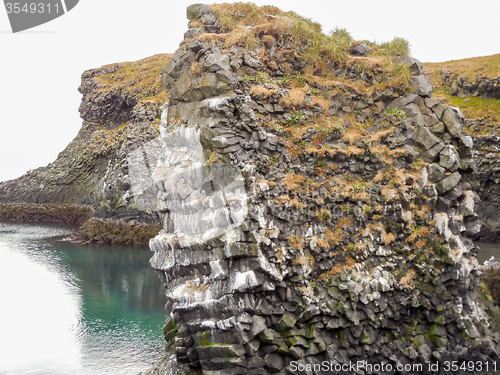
(396, 47)
(248, 25)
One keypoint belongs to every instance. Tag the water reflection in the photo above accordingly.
(71, 309)
(37, 318)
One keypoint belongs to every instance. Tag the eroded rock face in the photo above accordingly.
(110, 108)
(289, 239)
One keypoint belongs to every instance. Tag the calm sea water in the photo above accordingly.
(76, 309)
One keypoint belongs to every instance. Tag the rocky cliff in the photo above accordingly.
(473, 85)
(317, 205)
(120, 109)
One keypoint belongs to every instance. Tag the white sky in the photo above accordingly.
(41, 68)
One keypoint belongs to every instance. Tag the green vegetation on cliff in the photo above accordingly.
(142, 78)
(246, 22)
(360, 202)
(121, 111)
(248, 25)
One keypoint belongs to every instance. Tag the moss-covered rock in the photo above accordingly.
(116, 233)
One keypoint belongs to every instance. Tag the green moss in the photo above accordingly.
(273, 159)
(465, 336)
(474, 107)
(365, 338)
(169, 329)
(116, 233)
(426, 288)
(432, 336)
(205, 342)
(396, 112)
(169, 325)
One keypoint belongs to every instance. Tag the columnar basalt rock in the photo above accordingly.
(308, 220)
(472, 84)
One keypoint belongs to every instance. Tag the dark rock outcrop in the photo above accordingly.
(481, 86)
(487, 184)
(480, 102)
(362, 49)
(45, 212)
(313, 211)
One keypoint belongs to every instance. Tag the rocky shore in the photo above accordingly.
(47, 212)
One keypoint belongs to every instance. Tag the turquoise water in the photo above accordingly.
(79, 309)
(76, 309)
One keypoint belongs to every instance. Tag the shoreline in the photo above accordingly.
(90, 229)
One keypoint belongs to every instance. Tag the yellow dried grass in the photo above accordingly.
(263, 92)
(296, 98)
(292, 181)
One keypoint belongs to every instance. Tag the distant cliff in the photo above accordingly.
(120, 110)
(474, 86)
(318, 205)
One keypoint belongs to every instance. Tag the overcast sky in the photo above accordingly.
(41, 68)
